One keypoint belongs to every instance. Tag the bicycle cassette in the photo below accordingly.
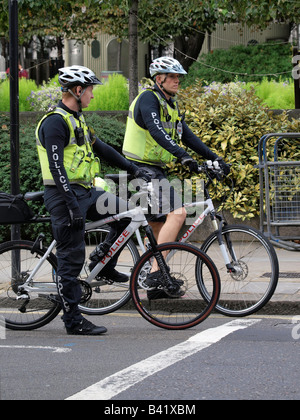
(86, 291)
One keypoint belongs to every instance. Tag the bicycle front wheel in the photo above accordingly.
(162, 309)
(255, 273)
(31, 308)
(107, 296)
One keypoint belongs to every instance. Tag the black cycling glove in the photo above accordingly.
(142, 173)
(223, 165)
(76, 219)
(191, 163)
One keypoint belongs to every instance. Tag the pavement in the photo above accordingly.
(286, 299)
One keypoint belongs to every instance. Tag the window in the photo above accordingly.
(95, 49)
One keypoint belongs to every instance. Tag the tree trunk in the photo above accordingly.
(59, 44)
(188, 49)
(133, 51)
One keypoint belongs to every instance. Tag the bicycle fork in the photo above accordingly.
(225, 248)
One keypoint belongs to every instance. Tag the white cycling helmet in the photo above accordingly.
(77, 76)
(165, 65)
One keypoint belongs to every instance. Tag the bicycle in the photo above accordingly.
(28, 293)
(113, 295)
(245, 258)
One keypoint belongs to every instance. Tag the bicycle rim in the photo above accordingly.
(169, 312)
(107, 296)
(255, 261)
(33, 309)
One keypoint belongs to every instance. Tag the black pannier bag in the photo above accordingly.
(14, 209)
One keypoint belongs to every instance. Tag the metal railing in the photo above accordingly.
(279, 177)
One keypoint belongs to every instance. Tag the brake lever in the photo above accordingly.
(213, 168)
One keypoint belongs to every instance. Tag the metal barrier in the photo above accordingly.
(279, 177)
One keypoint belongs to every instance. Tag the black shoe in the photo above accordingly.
(86, 328)
(153, 279)
(113, 275)
(109, 273)
(173, 291)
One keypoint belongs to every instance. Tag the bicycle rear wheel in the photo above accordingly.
(106, 295)
(176, 313)
(256, 270)
(26, 310)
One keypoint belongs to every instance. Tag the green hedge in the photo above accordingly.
(254, 59)
(231, 120)
(113, 95)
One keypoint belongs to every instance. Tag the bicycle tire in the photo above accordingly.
(250, 289)
(107, 297)
(39, 310)
(176, 313)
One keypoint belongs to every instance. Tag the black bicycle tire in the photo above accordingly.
(126, 298)
(274, 263)
(51, 314)
(200, 254)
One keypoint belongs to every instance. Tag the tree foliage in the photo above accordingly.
(230, 120)
(183, 22)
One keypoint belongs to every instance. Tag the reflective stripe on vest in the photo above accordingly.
(139, 145)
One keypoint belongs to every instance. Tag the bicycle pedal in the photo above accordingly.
(26, 299)
(52, 298)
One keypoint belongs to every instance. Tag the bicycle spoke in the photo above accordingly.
(25, 309)
(107, 295)
(247, 288)
(159, 306)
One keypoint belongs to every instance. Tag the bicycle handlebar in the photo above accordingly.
(212, 170)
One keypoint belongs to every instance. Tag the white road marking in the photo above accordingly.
(53, 349)
(121, 381)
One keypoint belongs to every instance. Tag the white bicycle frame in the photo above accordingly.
(209, 209)
(138, 220)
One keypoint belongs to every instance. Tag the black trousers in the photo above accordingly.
(95, 204)
(168, 198)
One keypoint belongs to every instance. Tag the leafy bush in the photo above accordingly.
(231, 120)
(25, 89)
(109, 130)
(242, 62)
(30, 173)
(275, 94)
(112, 96)
(42, 99)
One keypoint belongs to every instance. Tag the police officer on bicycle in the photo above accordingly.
(69, 154)
(154, 128)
